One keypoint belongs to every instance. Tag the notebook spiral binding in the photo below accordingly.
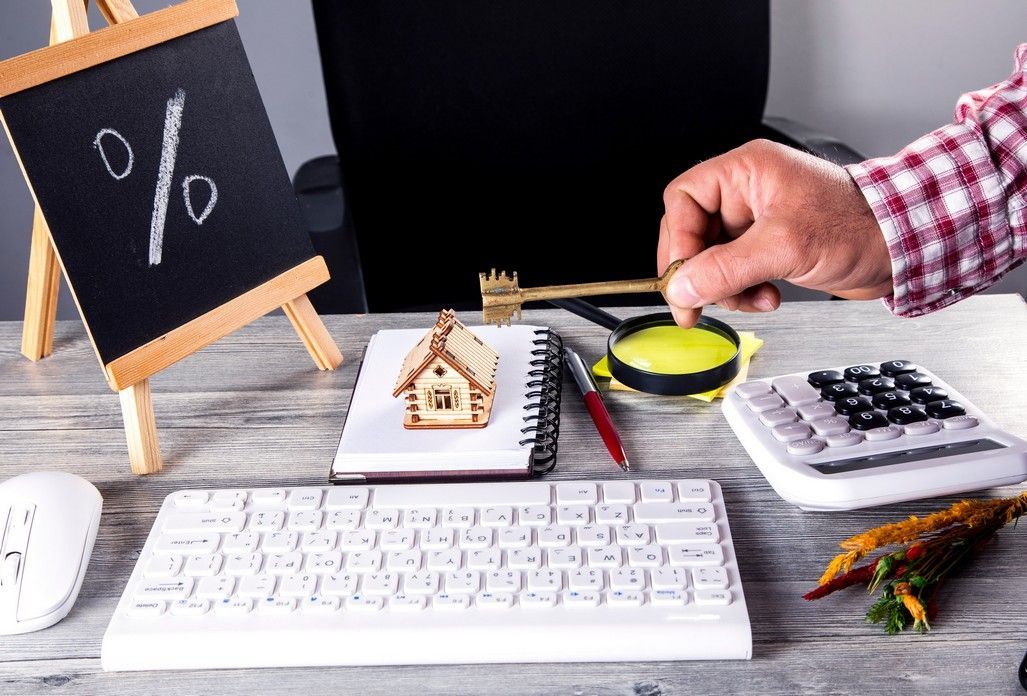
(546, 380)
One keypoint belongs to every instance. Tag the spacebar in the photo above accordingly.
(457, 494)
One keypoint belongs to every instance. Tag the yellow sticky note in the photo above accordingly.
(749, 345)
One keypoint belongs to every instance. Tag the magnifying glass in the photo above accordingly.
(652, 354)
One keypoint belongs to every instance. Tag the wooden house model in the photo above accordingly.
(448, 379)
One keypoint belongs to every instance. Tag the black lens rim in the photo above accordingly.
(680, 384)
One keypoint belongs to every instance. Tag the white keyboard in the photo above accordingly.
(442, 573)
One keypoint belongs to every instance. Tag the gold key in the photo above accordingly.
(502, 296)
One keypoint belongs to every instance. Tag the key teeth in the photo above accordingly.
(497, 282)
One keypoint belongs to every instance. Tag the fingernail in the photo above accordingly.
(764, 303)
(680, 291)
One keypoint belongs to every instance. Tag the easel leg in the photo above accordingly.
(140, 428)
(40, 294)
(313, 333)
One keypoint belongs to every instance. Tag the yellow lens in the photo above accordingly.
(672, 350)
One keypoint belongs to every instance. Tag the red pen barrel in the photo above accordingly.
(601, 417)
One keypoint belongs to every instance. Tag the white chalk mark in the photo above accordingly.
(168, 153)
(98, 144)
(188, 201)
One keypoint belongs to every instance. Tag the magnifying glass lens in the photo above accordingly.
(672, 350)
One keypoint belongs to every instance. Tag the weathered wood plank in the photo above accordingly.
(251, 410)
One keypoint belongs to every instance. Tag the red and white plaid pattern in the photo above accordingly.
(953, 204)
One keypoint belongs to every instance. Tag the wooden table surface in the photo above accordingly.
(251, 410)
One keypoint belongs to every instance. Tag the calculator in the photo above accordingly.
(864, 435)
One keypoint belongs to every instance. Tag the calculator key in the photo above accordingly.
(812, 412)
(795, 391)
(805, 447)
(959, 423)
(893, 368)
(853, 404)
(876, 385)
(858, 373)
(837, 392)
(945, 408)
(848, 439)
(925, 395)
(911, 380)
(890, 399)
(888, 432)
(759, 404)
(778, 416)
(867, 420)
(822, 378)
(901, 415)
(830, 426)
(747, 390)
(922, 428)
(791, 431)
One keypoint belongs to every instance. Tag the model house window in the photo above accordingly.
(443, 399)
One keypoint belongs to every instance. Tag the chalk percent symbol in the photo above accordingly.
(165, 174)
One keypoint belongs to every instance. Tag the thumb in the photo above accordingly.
(724, 270)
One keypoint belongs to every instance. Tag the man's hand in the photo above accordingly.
(763, 212)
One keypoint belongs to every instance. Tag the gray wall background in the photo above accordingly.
(875, 73)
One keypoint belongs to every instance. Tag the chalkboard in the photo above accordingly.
(162, 185)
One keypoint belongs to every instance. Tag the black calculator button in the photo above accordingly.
(868, 420)
(945, 408)
(925, 395)
(858, 373)
(890, 399)
(901, 415)
(912, 380)
(893, 368)
(853, 404)
(876, 385)
(823, 378)
(842, 390)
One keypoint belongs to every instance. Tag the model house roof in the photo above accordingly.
(457, 346)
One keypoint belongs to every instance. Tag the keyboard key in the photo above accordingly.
(583, 600)
(857, 373)
(405, 602)
(449, 602)
(190, 499)
(397, 540)
(669, 598)
(795, 391)
(837, 392)
(461, 495)
(146, 608)
(205, 565)
(525, 559)
(187, 543)
(867, 420)
(484, 559)
(901, 415)
(908, 381)
(244, 564)
(612, 514)
(322, 563)
(676, 532)
(437, 538)
(364, 561)
(619, 492)
(694, 490)
(458, 518)
(319, 604)
(959, 422)
(382, 584)
(844, 439)
(585, 579)
(305, 499)
(538, 600)
(205, 522)
(189, 607)
(609, 557)
(165, 589)
(298, 585)
(501, 516)
(766, 402)
(791, 431)
(922, 428)
(830, 426)
(227, 501)
(894, 368)
(592, 536)
(257, 586)
(925, 395)
(565, 557)
(534, 515)
(627, 579)
(670, 578)
(319, 541)
(695, 555)
(945, 408)
(285, 563)
(505, 581)
(448, 559)
(514, 538)
(572, 493)
(162, 567)
(276, 606)
(404, 561)
(650, 556)
(545, 580)
(824, 378)
(359, 540)
(638, 534)
(241, 542)
(268, 497)
(340, 584)
(305, 520)
(889, 432)
(382, 518)
(805, 447)
(462, 581)
(420, 518)
(233, 607)
(278, 542)
(876, 385)
(853, 404)
(423, 582)
(778, 416)
(710, 578)
(812, 412)
(625, 598)
(572, 515)
(363, 604)
(656, 491)
(713, 598)
(267, 521)
(476, 538)
(747, 390)
(549, 537)
(346, 498)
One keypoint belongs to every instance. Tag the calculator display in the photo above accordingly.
(918, 454)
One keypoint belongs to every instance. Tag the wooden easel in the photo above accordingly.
(129, 375)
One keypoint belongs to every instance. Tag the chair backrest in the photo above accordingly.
(529, 135)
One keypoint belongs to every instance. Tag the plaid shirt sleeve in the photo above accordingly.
(953, 205)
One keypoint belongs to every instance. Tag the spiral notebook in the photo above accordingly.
(519, 441)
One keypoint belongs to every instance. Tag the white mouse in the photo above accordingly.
(48, 521)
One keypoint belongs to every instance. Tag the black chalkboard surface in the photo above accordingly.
(162, 185)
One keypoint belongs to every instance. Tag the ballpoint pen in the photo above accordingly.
(596, 407)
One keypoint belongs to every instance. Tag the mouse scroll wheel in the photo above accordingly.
(9, 569)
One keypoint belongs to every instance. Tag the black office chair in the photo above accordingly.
(526, 135)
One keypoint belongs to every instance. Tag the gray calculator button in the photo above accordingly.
(830, 426)
(747, 390)
(759, 404)
(791, 431)
(888, 432)
(844, 439)
(922, 428)
(796, 391)
(960, 422)
(810, 445)
(778, 416)
(812, 412)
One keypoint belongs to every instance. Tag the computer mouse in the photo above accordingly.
(49, 521)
